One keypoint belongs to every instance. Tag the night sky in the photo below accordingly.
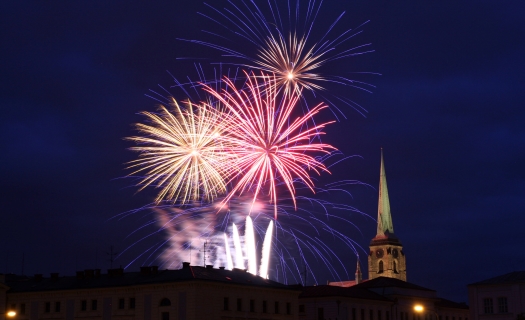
(447, 111)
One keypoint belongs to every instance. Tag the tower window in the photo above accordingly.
(395, 266)
(380, 269)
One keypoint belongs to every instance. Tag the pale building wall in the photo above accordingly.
(189, 300)
(514, 293)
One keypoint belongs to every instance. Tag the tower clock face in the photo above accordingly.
(380, 253)
(395, 253)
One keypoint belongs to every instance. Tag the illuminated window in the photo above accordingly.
(487, 305)
(502, 305)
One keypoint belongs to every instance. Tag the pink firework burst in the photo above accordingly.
(269, 145)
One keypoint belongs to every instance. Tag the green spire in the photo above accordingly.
(384, 218)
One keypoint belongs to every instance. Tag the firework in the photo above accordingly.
(269, 146)
(182, 153)
(284, 44)
(299, 240)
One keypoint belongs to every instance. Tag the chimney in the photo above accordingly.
(145, 270)
(54, 276)
(209, 266)
(185, 265)
(90, 273)
(222, 268)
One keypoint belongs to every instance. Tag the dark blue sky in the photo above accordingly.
(448, 111)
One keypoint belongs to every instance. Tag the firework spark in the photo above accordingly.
(285, 46)
(182, 154)
(269, 146)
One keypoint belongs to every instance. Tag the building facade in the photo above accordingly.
(498, 298)
(188, 293)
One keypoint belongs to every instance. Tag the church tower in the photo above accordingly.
(386, 257)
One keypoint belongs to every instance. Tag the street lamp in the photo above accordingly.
(419, 309)
(11, 314)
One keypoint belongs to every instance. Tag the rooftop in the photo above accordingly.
(512, 277)
(88, 279)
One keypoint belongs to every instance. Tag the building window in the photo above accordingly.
(252, 305)
(301, 308)
(401, 315)
(13, 306)
(57, 306)
(395, 266)
(165, 316)
(380, 266)
(288, 308)
(387, 315)
(487, 305)
(320, 313)
(362, 314)
(378, 314)
(353, 314)
(83, 305)
(165, 302)
(371, 315)
(94, 304)
(264, 307)
(502, 305)
(22, 308)
(226, 304)
(276, 307)
(239, 304)
(132, 303)
(121, 303)
(48, 307)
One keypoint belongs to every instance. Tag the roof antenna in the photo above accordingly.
(111, 255)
